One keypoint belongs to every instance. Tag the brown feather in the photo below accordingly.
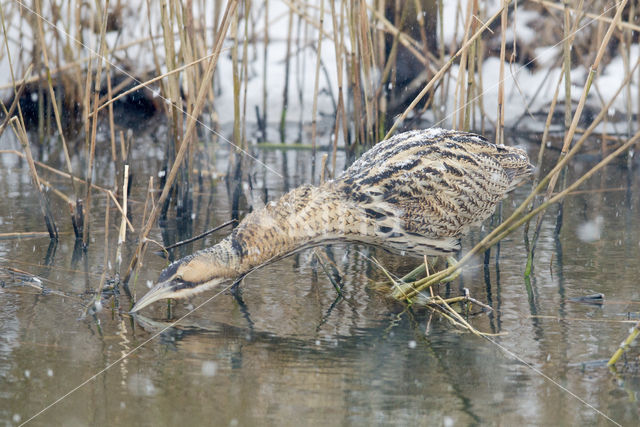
(417, 193)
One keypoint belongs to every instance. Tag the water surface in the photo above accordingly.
(287, 350)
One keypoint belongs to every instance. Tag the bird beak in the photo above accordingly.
(162, 290)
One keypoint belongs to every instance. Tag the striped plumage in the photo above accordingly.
(416, 193)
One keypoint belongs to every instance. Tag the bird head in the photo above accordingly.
(186, 277)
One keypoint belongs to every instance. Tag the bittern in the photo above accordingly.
(417, 193)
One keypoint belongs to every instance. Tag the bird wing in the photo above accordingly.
(428, 187)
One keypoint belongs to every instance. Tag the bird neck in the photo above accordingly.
(307, 216)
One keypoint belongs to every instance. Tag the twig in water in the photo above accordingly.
(199, 236)
(337, 286)
(624, 346)
(23, 235)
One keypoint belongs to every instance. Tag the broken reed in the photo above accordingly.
(189, 135)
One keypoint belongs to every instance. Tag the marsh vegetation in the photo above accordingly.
(129, 126)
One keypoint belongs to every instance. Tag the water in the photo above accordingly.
(288, 351)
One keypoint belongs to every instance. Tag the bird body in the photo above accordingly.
(417, 193)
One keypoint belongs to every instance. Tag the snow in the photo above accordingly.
(522, 31)
(453, 9)
(590, 231)
(525, 90)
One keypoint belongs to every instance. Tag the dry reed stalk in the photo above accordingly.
(420, 13)
(354, 72)
(323, 168)
(118, 161)
(75, 64)
(112, 129)
(566, 55)
(338, 30)
(443, 70)
(149, 202)
(94, 125)
(237, 136)
(108, 192)
(36, 57)
(569, 35)
(108, 102)
(531, 246)
(459, 94)
(285, 92)
(156, 61)
(52, 96)
(305, 16)
(471, 70)
(365, 48)
(124, 148)
(503, 47)
(378, 113)
(587, 132)
(587, 86)
(173, 80)
(188, 137)
(86, 104)
(245, 71)
(355, 79)
(55, 191)
(184, 20)
(452, 48)
(479, 97)
(8, 114)
(21, 134)
(24, 235)
(558, 6)
(265, 68)
(380, 45)
(403, 38)
(122, 235)
(302, 43)
(16, 103)
(105, 259)
(438, 112)
(625, 51)
(398, 20)
(547, 125)
(316, 84)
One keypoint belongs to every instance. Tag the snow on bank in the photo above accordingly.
(526, 91)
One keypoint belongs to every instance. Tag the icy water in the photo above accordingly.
(289, 351)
